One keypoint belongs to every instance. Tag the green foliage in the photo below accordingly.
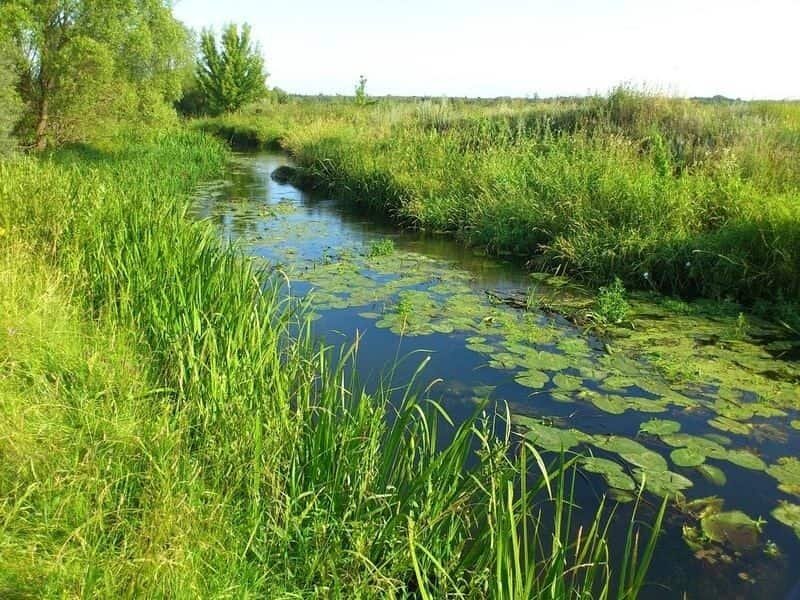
(383, 247)
(196, 439)
(279, 95)
(611, 304)
(86, 66)
(361, 91)
(230, 73)
(10, 104)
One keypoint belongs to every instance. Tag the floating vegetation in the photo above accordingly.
(723, 537)
(612, 472)
(665, 484)
(532, 379)
(745, 459)
(788, 514)
(567, 383)
(283, 207)
(787, 472)
(687, 457)
(712, 474)
(731, 426)
(659, 427)
(733, 528)
(552, 439)
(699, 444)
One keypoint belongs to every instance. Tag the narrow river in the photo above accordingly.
(729, 433)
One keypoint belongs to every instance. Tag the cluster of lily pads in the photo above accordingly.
(415, 295)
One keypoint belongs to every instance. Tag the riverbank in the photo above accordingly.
(670, 195)
(171, 429)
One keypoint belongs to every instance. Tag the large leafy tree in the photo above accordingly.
(84, 63)
(230, 73)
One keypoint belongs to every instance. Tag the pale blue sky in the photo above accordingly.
(516, 48)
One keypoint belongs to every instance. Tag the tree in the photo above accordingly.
(86, 63)
(230, 73)
(10, 104)
(361, 91)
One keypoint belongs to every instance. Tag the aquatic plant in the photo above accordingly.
(611, 305)
(382, 247)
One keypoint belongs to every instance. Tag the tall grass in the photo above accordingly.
(702, 197)
(171, 429)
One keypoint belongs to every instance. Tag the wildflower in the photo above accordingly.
(646, 275)
(688, 264)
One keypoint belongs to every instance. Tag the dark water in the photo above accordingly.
(305, 235)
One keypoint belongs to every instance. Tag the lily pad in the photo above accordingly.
(659, 427)
(787, 472)
(615, 405)
(567, 383)
(687, 457)
(723, 440)
(796, 424)
(712, 474)
(618, 382)
(548, 361)
(548, 438)
(788, 514)
(726, 424)
(663, 483)
(745, 459)
(611, 471)
(633, 452)
(699, 444)
(733, 527)
(532, 379)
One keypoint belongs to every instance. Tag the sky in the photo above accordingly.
(736, 48)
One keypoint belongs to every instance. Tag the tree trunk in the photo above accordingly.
(41, 125)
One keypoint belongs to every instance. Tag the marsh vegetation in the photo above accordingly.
(683, 197)
(435, 348)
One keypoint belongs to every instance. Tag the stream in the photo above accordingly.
(697, 405)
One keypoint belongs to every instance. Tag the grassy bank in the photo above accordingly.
(170, 429)
(674, 195)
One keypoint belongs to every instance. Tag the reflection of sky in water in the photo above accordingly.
(306, 236)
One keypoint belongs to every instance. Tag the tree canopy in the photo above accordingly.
(230, 73)
(85, 63)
